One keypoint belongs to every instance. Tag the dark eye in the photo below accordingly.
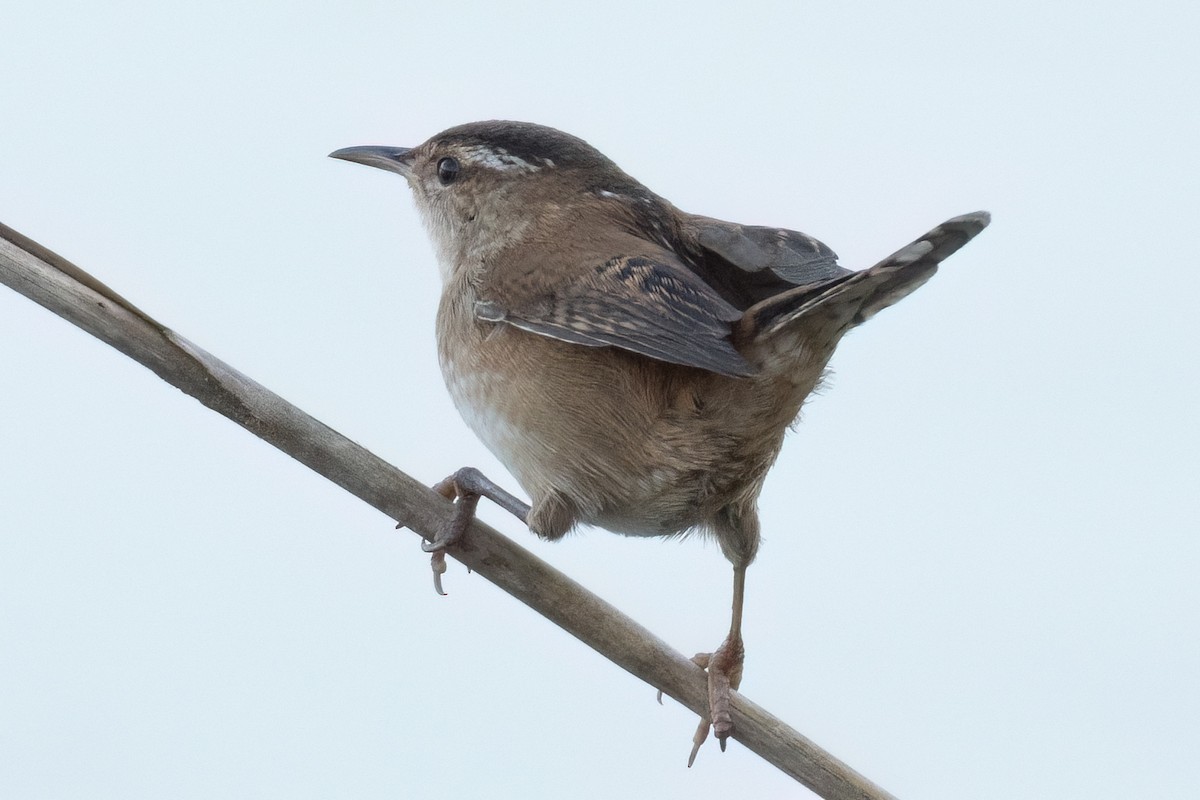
(448, 171)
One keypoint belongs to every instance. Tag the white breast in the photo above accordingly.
(474, 395)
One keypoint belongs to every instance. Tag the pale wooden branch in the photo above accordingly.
(71, 293)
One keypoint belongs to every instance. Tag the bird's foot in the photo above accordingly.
(455, 528)
(724, 668)
(465, 487)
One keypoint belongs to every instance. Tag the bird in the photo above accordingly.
(633, 366)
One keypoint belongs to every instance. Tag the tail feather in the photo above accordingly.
(855, 298)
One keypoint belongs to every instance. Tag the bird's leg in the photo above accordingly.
(724, 668)
(725, 664)
(465, 487)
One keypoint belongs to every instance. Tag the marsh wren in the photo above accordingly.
(635, 367)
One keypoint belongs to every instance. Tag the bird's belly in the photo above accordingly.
(478, 395)
(552, 448)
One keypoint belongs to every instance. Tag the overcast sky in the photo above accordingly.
(979, 576)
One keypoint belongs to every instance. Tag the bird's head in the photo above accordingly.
(484, 186)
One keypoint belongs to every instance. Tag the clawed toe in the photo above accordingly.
(438, 563)
(698, 738)
(464, 487)
(724, 676)
(452, 531)
(724, 668)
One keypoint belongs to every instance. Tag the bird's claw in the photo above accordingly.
(438, 562)
(440, 542)
(698, 739)
(724, 668)
(465, 502)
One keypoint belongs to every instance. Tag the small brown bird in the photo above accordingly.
(634, 366)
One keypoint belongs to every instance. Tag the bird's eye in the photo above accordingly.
(448, 171)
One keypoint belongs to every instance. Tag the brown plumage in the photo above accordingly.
(635, 367)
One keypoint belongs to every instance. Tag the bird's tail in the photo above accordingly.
(844, 302)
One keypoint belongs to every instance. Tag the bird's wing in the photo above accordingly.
(651, 305)
(766, 260)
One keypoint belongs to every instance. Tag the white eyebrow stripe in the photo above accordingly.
(498, 159)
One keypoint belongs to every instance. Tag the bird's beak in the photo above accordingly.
(393, 159)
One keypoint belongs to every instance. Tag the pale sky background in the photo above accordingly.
(980, 570)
